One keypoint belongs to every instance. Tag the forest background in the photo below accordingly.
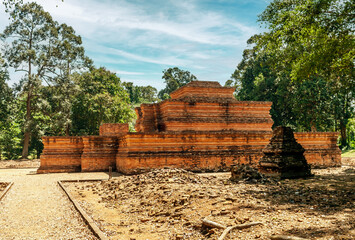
(303, 63)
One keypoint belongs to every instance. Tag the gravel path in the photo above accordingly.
(36, 207)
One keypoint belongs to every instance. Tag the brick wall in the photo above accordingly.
(204, 106)
(214, 151)
(195, 151)
(321, 148)
(61, 154)
(99, 153)
(113, 129)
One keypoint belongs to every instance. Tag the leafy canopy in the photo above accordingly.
(174, 78)
(101, 99)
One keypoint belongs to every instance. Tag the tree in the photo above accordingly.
(11, 4)
(101, 99)
(314, 40)
(6, 98)
(44, 51)
(303, 105)
(140, 94)
(31, 30)
(70, 57)
(174, 78)
(148, 94)
(256, 81)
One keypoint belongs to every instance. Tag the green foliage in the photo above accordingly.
(312, 37)
(46, 52)
(140, 94)
(5, 93)
(101, 99)
(9, 130)
(308, 105)
(10, 140)
(11, 4)
(350, 128)
(304, 64)
(174, 78)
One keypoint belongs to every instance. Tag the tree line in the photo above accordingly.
(304, 64)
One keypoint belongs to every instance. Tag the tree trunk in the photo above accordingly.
(26, 141)
(67, 130)
(26, 144)
(343, 137)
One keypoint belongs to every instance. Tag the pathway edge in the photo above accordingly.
(89, 221)
(2, 195)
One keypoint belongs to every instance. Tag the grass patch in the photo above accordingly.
(348, 153)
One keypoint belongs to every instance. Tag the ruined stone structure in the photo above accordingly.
(283, 156)
(201, 128)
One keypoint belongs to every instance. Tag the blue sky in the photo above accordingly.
(138, 39)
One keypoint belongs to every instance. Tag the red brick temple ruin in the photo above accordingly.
(201, 128)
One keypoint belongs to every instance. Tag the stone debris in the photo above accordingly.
(246, 173)
(34, 163)
(165, 198)
(171, 204)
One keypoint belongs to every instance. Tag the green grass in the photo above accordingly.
(349, 153)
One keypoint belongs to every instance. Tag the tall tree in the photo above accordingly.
(314, 39)
(303, 105)
(44, 51)
(140, 94)
(70, 57)
(101, 99)
(31, 30)
(174, 78)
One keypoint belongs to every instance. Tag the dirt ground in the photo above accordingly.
(17, 164)
(171, 203)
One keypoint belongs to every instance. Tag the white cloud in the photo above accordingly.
(113, 18)
(121, 72)
(122, 33)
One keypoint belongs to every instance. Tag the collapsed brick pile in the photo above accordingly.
(171, 203)
(170, 199)
(248, 174)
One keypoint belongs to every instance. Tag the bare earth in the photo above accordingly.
(36, 208)
(17, 164)
(170, 204)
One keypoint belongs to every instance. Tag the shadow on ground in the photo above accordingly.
(340, 231)
(324, 193)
